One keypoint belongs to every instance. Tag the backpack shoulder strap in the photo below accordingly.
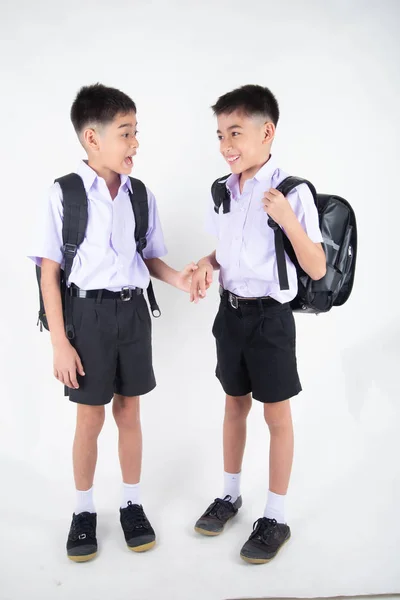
(75, 217)
(221, 195)
(140, 207)
(282, 243)
(75, 220)
(288, 184)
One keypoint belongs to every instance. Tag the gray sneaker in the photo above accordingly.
(213, 521)
(265, 541)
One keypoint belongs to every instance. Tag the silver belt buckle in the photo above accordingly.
(126, 294)
(233, 301)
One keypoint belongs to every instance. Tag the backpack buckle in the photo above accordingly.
(70, 249)
(141, 244)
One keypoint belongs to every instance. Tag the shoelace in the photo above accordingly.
(134, 517)
(263, 528)
(220, 508)
(82, 525)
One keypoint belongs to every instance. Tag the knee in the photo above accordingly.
(237, 407)
(90, 420)
(126, 411)
(278, 416)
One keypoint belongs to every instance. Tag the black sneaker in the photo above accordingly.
(266, 540)
(138, 532)
(82, 542)
(213, 521)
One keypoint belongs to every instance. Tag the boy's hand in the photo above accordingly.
(184, 277)
(66, 363)
(201, 281)
(277, 207)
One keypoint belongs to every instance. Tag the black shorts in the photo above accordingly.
(256, 350)
(113, 340)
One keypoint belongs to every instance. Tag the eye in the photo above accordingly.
(125, 135)
(235, 133)
(220, 137)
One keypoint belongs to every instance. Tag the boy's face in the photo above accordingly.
(114, 145)
(245, 142)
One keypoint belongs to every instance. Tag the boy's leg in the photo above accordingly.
(214, 519)
(82, 541)
(271, 531)
(89, 422)
(139, 534)
(126, 411)
(279, 420)
(237, 409)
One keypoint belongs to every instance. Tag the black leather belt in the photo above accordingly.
(125, 294)
(237, 301)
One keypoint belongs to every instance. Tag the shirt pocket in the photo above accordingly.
(259, 239)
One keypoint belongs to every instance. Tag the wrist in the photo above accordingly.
(204, 262)
(290, 221)
(175, 279)
(59, 340)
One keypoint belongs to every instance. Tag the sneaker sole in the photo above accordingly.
(262, 561)
(84, 558)
(213, 533)
(209, 533)
(142, 548)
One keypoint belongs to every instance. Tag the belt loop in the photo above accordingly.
(260, 306)
(99, 296)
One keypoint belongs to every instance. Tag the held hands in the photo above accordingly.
(184, 277)
(277, 207)
(201, 281)
(66, 364)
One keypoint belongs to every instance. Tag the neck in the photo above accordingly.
(249, 173)
(112, 179)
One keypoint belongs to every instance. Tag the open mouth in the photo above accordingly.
(232, 159)
(128, 161)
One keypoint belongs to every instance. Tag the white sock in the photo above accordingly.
(232, 485)
(275, 508)
(130, 493)
(84, 501)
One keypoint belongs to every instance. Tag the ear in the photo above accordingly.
(269, 132)
(90, 139)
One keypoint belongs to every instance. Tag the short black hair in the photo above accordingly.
(99, 104)
(250, 99)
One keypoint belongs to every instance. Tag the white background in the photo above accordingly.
(334, 67)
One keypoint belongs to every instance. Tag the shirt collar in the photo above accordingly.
(89, 176)
(264, 174)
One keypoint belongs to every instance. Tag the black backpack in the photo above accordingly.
(75, 220)
(338, 226)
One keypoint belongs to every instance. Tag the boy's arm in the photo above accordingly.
(66, 359)
(209, 260)
(179, 279)
(203, 277)
(310, 255)
(300, 223)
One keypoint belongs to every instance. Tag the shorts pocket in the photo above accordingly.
(289, 325)
(78, 312)
(143, 311)
(217, 327)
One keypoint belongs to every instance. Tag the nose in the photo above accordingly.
(225, 145)
(135, 143)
